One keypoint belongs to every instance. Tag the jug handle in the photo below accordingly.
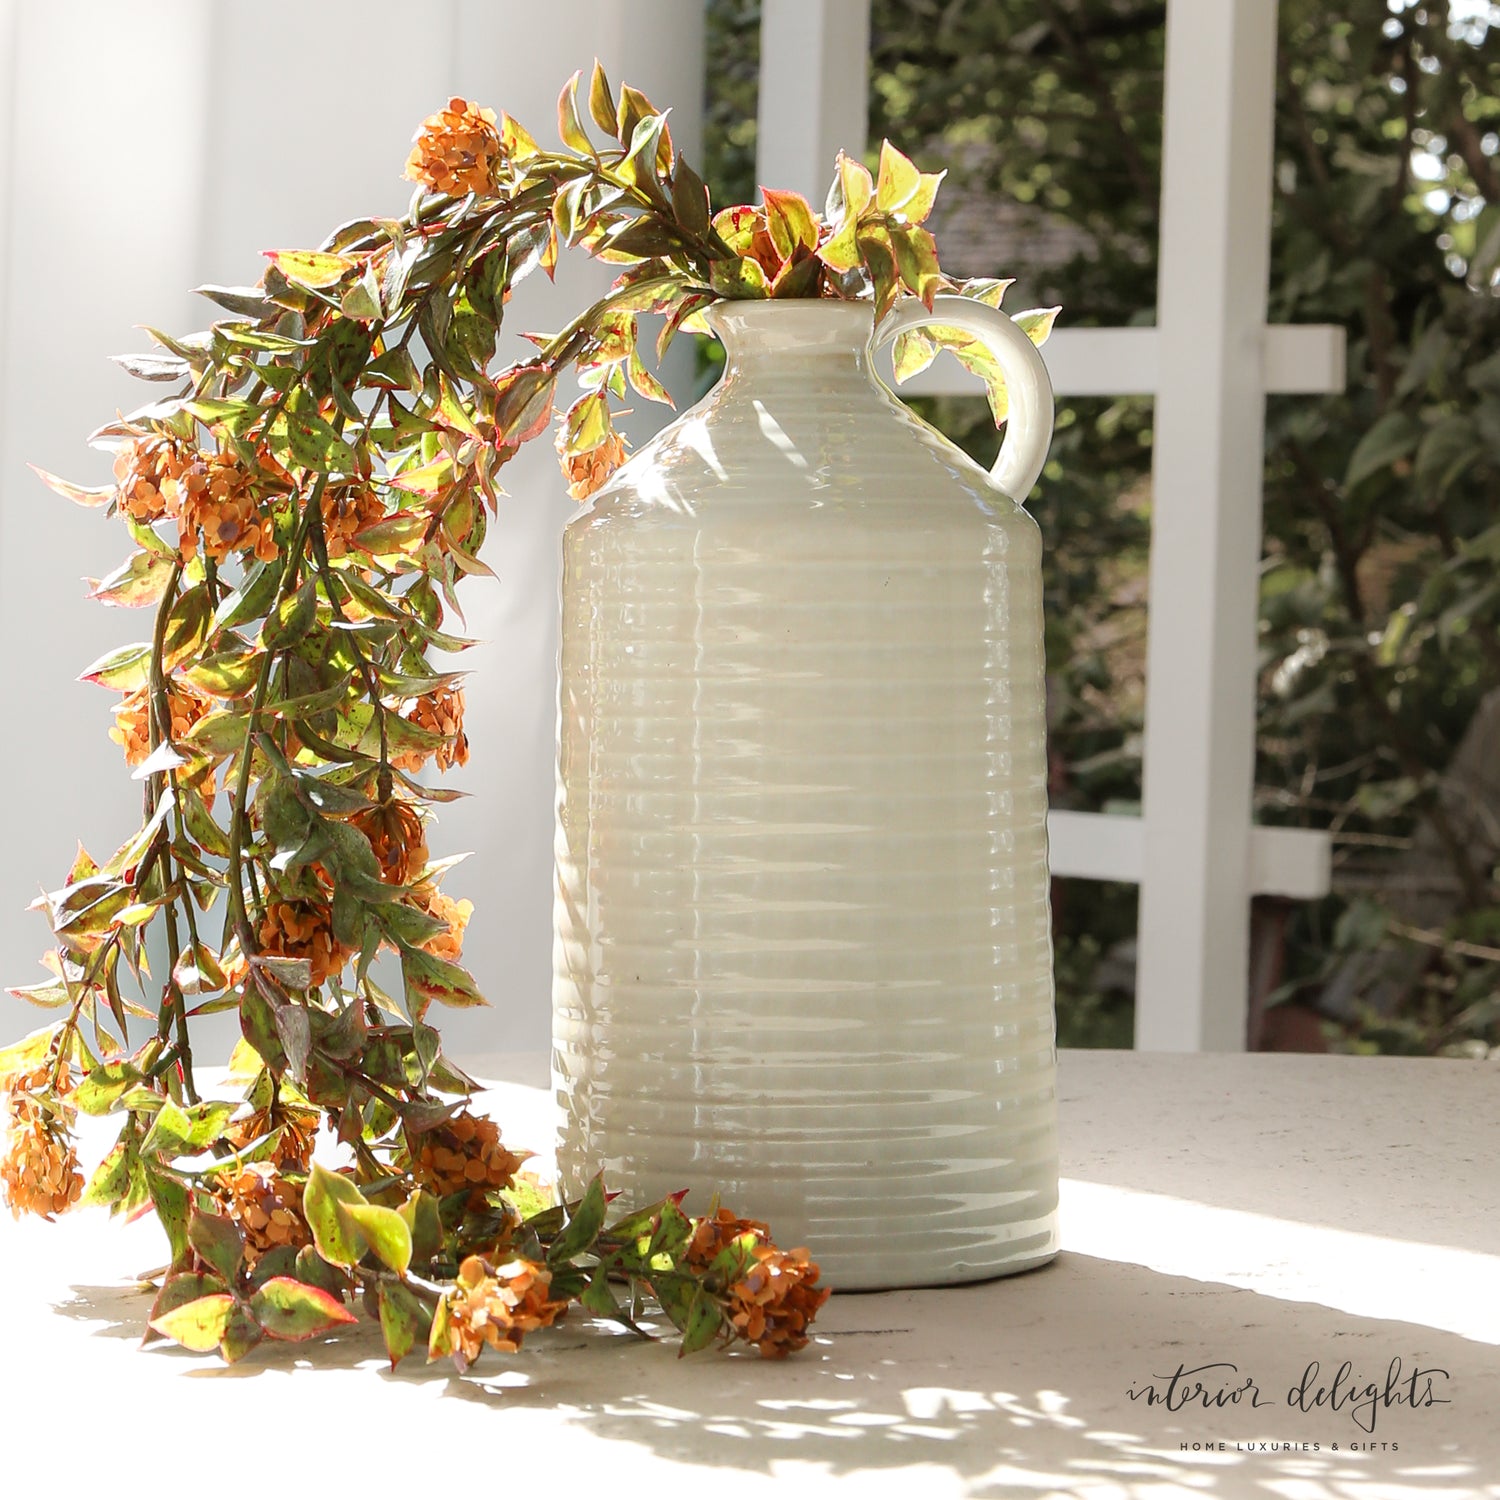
(1028, 428)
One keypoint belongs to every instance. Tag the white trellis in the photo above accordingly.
(1209, 363)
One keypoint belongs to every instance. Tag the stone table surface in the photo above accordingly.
(1261, 1212)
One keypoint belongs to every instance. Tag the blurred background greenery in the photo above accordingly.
(1379, 685)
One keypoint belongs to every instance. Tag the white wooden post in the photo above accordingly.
(814, 91)
(1210, 363)
(1205, 535)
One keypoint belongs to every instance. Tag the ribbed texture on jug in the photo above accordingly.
(802, 938)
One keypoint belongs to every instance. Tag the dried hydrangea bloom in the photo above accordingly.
(456, 150)
(39, 1171)
(449, 944)
(266, 1206)
(214, 499)
(397, 836)
(297, 1130)
(132, 726)
(464, 1156)
(715, 1233)
(587, 472)
(776, 1297)
(346, 513)
(304, 929)
(439, 712)
(775, 1300)
(143, 466)
(498, 1310)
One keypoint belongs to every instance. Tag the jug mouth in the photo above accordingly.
(806, 324)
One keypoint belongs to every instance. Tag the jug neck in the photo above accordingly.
(829, 340)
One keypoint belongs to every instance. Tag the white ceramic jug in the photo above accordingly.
(802, 939)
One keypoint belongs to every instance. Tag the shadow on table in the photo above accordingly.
(1018, 1387)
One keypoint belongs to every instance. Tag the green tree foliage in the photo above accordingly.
(1380, 598)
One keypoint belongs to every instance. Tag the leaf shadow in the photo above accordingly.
(1015, 1387)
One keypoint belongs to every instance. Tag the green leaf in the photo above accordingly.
(177, 1131)
(173, 1209)
(523, 404)
(702, 1323)
(841, 253)
(420, 1213)
(315, 1271)
(218, 1241)
(291, 1310)
(569, 126)
(124, 668)
(583, 1225)
(1393, 437)
(253, 597)
(789, 218)
(197, 1325)
(1036, 323)
(49, 995)
(314, 269)
(282, 1261)
(917, 260)
(103, 1086)
(384, 1231)
(672, 1233)
(89, 496)
(1446, 451)
(221, 732)
(205, 832)
(23, 1056)
(438, 1339)
(111, 1179)
(912, 352)
(291, 620)
(645, 157)
(738, 279)
(139, 581)
(690, 202)
(601, 100)
(404, 1318)
(302, 438)
(362, 300)
(178, 1291)
(597, 1296)
(247, 301)
(879, 256)
(433, 978)
(897, 181)
(241, 1334)
(337, 1237)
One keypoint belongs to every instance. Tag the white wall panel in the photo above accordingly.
(157, 145)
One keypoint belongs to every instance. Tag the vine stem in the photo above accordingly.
(238, 920)
(159, 732)
(319, 544)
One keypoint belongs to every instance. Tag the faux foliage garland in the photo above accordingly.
(303, 507)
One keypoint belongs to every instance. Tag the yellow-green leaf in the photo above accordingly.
(337, 1238)
(569, 126)
(789, 218)
(601, 100)
(1037, 323)
(897, 182)
(312, 268)
(385, 1232)
(291, 1310)
(197, 1325)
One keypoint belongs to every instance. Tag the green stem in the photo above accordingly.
(238, 920)
(319, 543)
